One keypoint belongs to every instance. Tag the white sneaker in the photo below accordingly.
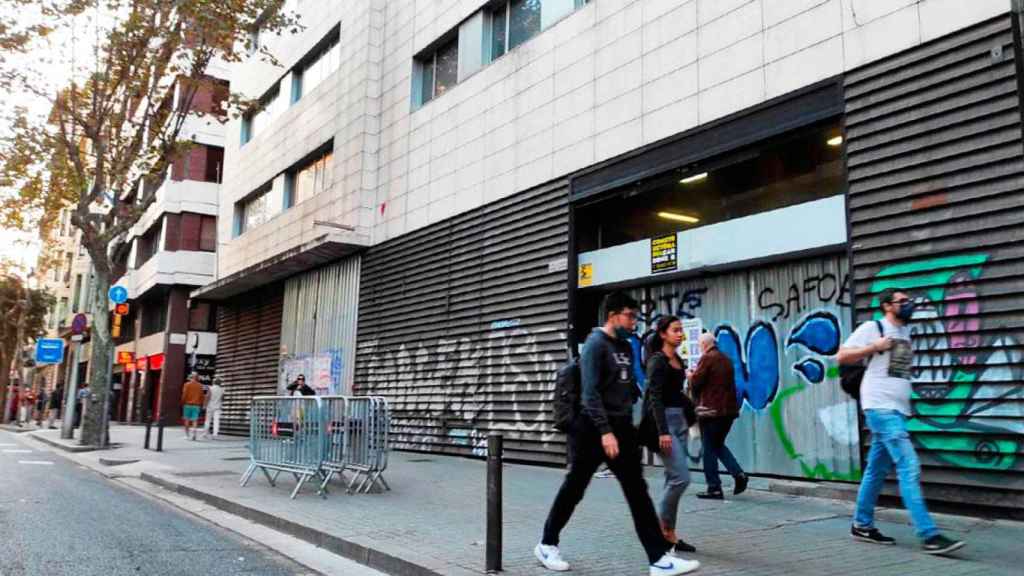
(671, 566)
(551, 558)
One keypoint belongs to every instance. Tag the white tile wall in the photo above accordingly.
(605, 80)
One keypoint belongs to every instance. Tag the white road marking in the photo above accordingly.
(41, 462)
(17, 451)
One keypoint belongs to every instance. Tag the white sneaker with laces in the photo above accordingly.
(550, 557)
(672, 566)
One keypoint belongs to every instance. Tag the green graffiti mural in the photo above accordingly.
(968, 410)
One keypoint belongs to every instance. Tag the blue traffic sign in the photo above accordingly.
(49, 350)
(118, 294)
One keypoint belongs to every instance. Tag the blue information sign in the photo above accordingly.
(49, 350)
(118, 294)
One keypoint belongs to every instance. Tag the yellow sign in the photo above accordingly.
(586, 275)
(663, 254)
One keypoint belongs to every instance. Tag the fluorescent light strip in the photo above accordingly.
(694, 178)
(678, 217)
(835, 141)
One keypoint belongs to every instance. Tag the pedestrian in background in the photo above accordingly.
(192, 400)
(214, 399)
(41, 405)
(55, 401)
(83, 397)
(668, 413)
(712, 384)
(604, 431)
(27, 403)
(300, 386)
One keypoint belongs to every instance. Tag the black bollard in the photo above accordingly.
(494, 448)
(149, 426)
(160, 436)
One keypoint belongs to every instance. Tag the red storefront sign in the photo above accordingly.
(156, 361)
(125, 358)
(141, 364)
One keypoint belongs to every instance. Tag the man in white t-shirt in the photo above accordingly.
(885, 398)
(214, 400)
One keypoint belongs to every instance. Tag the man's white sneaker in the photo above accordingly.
(671, 566)
(551, 558)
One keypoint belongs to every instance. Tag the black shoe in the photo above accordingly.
(682, 547)
(939, 544)
(741, 484)
(871, 535)
(711, 495)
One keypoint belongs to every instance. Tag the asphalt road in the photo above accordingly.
(58, 518)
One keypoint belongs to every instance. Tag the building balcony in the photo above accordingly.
(166, 268)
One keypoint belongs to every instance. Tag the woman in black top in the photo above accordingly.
(672, 411)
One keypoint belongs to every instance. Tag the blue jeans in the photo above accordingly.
(891, 445)
(677, 470)
(713, 431)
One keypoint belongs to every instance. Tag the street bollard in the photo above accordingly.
(494, 449)
(149, 426)
(160, 436)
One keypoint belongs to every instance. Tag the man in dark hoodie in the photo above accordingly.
(604, 432)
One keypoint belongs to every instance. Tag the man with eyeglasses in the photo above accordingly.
(885, 398)
(604, 432)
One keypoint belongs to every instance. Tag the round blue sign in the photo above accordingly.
(118, 294)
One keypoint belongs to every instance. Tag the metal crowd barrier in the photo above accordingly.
(286, 435)
(357, 441)
(320, 436)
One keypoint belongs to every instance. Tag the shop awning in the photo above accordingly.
(320, 251)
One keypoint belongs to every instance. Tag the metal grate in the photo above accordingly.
(936, 168)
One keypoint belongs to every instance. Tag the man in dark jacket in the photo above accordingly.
(604, 432)
(712, 385)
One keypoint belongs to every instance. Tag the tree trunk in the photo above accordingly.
(94, 425)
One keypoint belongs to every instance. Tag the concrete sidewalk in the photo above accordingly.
(433, 520)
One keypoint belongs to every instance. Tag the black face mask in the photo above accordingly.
(905, 311)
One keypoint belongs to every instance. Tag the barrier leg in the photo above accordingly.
(271, 480)
(299, 485)
(248, 474)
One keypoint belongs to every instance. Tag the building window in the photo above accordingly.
(308, 180)
(498, 32)
(77, 294)
(439, 71)
(506, 25)
(252, 211)
(198, 232)
(154, 316)
(200, 163)
(253, 41)
(202, 317)
(149, 243)
(323, 63)
(270, 106)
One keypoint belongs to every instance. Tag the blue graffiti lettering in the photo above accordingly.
(812, 369)
(756, 367)
(818, 332)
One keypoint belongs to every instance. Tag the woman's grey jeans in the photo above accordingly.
(677, 471)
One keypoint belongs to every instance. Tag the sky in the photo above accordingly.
(50, 59)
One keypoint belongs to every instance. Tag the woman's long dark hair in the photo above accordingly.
(655, 342)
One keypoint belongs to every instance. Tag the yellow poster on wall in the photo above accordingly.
(586, 275)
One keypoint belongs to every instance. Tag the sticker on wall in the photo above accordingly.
(586, 275)
(663, 254)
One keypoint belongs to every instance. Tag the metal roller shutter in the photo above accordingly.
(936, 205)
(462, 326)
(249, 341)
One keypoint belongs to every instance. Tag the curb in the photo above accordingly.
(357, 552)
(75, 449)
(14, 429)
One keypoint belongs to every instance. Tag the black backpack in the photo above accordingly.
(851, 375)
(567, 395)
